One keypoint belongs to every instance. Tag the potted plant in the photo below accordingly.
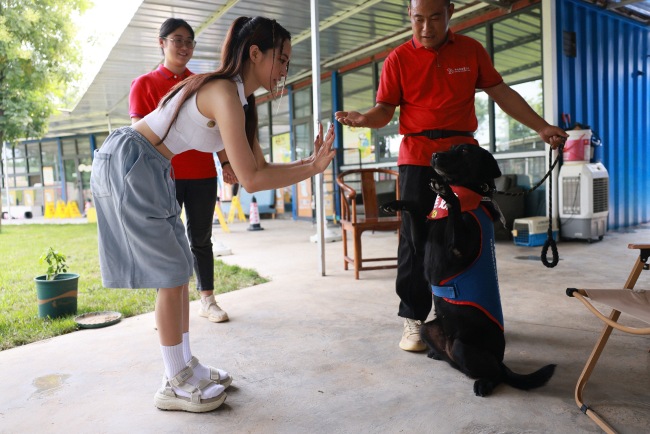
(56, 290)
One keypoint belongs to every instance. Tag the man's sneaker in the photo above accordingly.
(411, 336)
(210, 309)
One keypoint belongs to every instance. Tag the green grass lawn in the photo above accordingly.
(20, 249)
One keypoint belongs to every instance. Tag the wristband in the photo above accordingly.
(225, 163)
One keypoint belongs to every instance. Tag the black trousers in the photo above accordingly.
(199, 196)
(411, 286)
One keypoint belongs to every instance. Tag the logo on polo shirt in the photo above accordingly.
(457, 70)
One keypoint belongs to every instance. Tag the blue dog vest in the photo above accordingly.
(477, 285)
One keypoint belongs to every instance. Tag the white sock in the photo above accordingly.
(174, 361)
(187, 353)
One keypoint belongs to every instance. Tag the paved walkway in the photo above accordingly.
(313, 354)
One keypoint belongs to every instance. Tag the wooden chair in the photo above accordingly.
(371, 219)
(627, 300)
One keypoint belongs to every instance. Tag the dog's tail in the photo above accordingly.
(528, 381)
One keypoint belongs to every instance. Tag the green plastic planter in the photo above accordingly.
(57, 297)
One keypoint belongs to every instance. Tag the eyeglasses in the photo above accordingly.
(179, 43)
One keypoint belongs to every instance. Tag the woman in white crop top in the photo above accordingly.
(142, 241)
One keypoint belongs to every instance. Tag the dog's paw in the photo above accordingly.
(392, 206)
(433, 354)
(408, 206)
(439, 187)
(483, 387)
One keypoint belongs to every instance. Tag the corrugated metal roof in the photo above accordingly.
(350, 30)
(638, 10)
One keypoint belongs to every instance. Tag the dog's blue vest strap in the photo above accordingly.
(448, 291)
(478, 285)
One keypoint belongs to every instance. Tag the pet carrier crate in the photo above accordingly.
(583, 192)
(532, 231)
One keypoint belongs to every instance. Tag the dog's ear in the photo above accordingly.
(491, 165)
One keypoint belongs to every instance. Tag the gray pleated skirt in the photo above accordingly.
(142, 240)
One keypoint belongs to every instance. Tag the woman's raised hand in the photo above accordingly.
(323, 152)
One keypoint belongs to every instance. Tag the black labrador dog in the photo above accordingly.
(460, 266)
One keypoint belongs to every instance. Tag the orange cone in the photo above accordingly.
(254, 217)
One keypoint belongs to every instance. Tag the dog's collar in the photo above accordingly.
(469, 200)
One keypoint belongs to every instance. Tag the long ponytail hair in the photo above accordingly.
(244, 32)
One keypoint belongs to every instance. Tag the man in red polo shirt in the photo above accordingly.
(194, 172)
(433, 78)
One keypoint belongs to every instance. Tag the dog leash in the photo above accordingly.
(550, 242)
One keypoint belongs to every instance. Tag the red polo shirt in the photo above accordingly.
(435, 91)
(146, 92)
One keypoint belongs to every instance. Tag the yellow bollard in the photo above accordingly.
(50, 211)
(72, 209)
(222, 220)
(60, 209)
(235, 206)
(91, 215)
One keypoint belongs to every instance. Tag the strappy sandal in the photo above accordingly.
(167, 399)
(217, 375)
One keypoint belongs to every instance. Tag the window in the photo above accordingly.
(302, 106)
(20, 162)
(264, 137)
(302, 122)
(515, 44)
(326, 101)
(280, 115)
(69, 147)
(264, 128)
(358, 95)
(49, 156)
(33, 157)
(304, 144)
(512, 136)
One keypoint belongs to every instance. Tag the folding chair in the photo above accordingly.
(635, 302)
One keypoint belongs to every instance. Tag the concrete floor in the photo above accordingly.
(319, 354)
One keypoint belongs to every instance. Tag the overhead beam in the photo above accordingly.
(611, 5)
(503, 4)
(360, 52)
(334, 19)
(215, 16)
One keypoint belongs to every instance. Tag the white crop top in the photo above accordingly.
(191, 130)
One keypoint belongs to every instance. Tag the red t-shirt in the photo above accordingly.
(435, 91)
(146, 92)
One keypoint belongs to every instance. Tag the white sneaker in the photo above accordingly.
(210, 309)
(220, 249)
(411, 336)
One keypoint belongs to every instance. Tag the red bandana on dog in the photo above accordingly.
(469, 200)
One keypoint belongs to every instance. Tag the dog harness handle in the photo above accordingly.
(444, 291)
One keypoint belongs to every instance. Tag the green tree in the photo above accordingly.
(39, 57)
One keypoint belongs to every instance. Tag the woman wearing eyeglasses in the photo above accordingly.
(142, 242)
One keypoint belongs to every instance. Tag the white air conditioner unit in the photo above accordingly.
(583, 193)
